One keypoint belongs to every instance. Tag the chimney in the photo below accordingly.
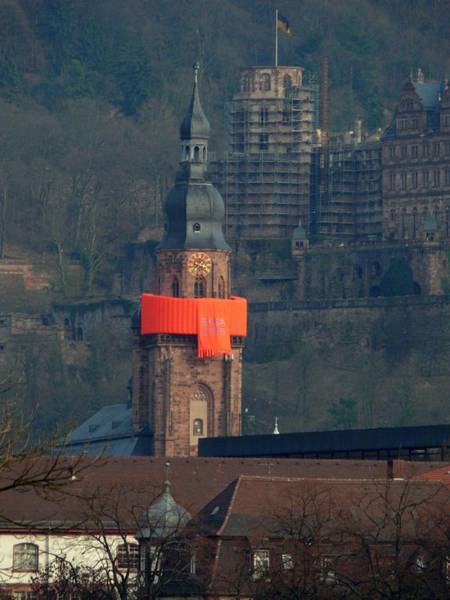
(358, 131)
(324, 106)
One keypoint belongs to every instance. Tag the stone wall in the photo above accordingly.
(389, 356)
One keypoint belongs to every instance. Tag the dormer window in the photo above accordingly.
(196, 227)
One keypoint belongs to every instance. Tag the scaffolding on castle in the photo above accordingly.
(265, 177)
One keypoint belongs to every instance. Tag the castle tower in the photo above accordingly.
(180, 396)
(265, 176)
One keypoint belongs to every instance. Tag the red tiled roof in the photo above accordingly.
(195, 482)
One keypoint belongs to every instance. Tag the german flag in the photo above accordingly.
(283, 25)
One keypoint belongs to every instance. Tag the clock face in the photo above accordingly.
(199, 264)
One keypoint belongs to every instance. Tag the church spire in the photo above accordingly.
(195, 125)
(194, 208)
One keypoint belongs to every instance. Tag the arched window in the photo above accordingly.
(196, 227)
(196, 153)
(287, 83)
(204, 153)
(128, 556)
(197, 427)
(200, 287)
(187, 152)
(221, 287)
(175, 287)
(265, 82)
(25, 557)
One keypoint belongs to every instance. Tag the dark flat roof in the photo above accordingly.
(325, 442)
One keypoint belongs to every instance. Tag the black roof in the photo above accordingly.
(327, 442)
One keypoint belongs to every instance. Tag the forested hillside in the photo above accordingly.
(91, 95)
(92, 92)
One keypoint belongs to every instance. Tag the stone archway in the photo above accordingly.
(201, 414)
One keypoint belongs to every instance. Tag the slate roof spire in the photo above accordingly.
(195, 125)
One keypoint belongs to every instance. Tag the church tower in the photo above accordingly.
(178, 394)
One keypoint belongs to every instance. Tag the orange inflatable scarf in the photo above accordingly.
(212, 320)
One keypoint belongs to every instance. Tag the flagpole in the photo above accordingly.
(276, 37)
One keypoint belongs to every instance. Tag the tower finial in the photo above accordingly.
(196, 70)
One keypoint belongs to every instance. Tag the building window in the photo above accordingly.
(221, 287)
(392, 181)
(426, 149)
(447, 148)
(287, 83)
(415, 123)
(265, 82)
(197, 427)
(287, 562)
(403, 180)
(263, 115)
(286, 117)
(193, 564)
(437, 178)
(447, 177)
(326, 569)
(260, 563)
(447, 121)
(391, 151)
(414, 179)
(199, 288)
(196, 227)
(175, 287)
(436, 149)
(196, 153)
(263, 141)
(128, 556)
(426, 178)
(404, 151)
(25, 557)
(414, 151)
(402, 124)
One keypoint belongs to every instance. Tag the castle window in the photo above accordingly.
(263, 116)
(199, 288)
(197, 427)
(403, 181)
(265, 82)
(196, 227)
(128, 556)
(25, 557)
(196, 153)
(264, 141)
(221, 287)
(287, 83)
(392, 181)
(175, 287)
